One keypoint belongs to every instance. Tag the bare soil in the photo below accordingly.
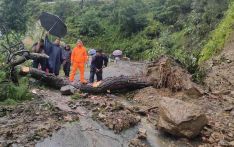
(32, 121)
(29, 122)
(111, 113)
(219, 110)
(220, 69)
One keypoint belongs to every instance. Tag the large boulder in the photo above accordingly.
(68, 90)
(180, 119)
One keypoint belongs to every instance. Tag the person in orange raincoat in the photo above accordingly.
(79, 58)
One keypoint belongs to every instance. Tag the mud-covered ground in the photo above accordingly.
(219, 109)
(31, 122)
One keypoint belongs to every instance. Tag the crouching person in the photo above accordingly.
(99, 61)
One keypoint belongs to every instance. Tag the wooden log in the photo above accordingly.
(47, 78)
(114, 84)
(20, 57)
(27, 56)
(117, 84)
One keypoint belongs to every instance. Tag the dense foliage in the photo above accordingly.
(144, 29)
(219, 36)
(13, 25)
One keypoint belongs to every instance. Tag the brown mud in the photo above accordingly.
(29, 122)
(115, 120)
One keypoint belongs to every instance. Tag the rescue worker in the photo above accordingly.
(79, 58)
(54, 51)
(67, 60)
(39, 48)
(99, 61)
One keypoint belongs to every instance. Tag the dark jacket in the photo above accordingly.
(98, 61)
(35, 48)
(67, 55)
(55, 56)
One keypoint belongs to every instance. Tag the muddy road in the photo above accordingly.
(89, 132)
(118, 120)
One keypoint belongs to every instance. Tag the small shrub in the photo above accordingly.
(76, 96)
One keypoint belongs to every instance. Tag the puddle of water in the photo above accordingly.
(87, 133)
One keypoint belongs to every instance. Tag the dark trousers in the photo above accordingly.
(92, 74)
(42, 62)
(66, 69)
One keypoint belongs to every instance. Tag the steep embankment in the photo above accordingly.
(220, 75)
(218, 55)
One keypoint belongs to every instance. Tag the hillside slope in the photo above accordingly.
(220, 75)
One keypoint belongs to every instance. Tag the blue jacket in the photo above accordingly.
(55, 56)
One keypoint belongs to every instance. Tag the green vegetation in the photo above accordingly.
(219, 36)
(144, 29)
(14, 17)
(76, 96)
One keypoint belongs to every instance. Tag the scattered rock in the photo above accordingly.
(193, 91)
(223, 92)
(29, 122)
(231, 143)
(232, 94)
(230, 108)
(70, 117)
(68, 90)
(84, 95)
(72, 105)
(142, 134)
(119, 121)
(137, 143)
(180, 118)
(232, 112)
(223, 143)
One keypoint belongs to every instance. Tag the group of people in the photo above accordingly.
(64, 56)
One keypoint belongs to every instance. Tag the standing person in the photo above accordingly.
(117, 59)
(91, 53)
(54, 51)
(79, 58)
(98, 62)
(39, 48)
(67, 60)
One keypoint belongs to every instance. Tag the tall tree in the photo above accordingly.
(81, 4)
(13, 14)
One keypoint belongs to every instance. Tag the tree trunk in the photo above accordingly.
(115, 84)
(25, 57)
(47, 78)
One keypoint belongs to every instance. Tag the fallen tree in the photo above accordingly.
(19, 57)
(47, 78)
(163, 73)
(24, 57)
(114, 84)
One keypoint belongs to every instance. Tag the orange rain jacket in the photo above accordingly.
(79, 54)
